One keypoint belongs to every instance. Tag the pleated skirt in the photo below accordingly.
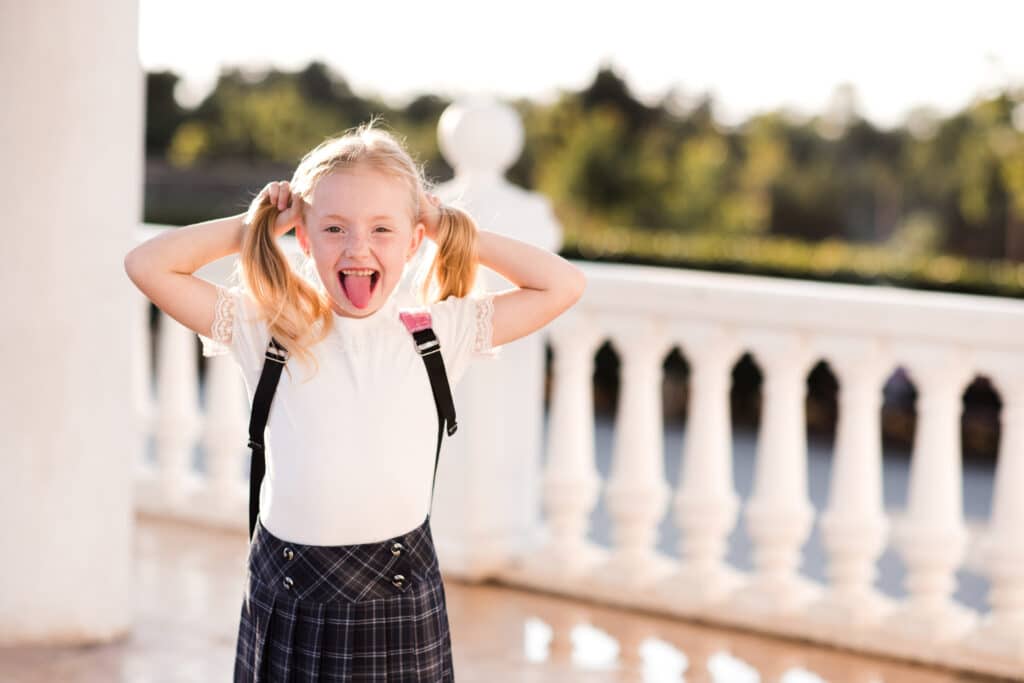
(361, 612)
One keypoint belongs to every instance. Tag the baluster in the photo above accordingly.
(773, 664)
(706, 503)
(560, 648)
(178, 413)
(637, 493)
(779, 513)
(1001, 633)
(225, 439)
(571, 481)
(854, 527)
(932, 536)
(630, 635)
(142, 383)
(698, 650)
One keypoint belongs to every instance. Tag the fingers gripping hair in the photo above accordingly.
(287, 301)
(267, 269)
(454, 267)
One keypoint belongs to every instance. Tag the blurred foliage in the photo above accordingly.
(829, 259)
(936, 202)
(278, 116)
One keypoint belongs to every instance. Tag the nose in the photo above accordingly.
(355, 244)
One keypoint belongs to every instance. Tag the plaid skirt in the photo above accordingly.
(361, 612)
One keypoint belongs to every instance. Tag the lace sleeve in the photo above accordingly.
(485, 328)
(223, 323)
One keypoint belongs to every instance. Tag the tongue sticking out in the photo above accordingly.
(358, 288)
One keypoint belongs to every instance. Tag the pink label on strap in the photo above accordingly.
(415, 319)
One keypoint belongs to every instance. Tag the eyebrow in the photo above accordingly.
(384, 217)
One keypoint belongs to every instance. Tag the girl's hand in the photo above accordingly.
(290, 206)
(430, 214)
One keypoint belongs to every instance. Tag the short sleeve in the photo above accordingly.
(219, 341)
(465, 328)
(484, 329)
(237, 330)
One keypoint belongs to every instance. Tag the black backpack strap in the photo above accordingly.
(429, 348)
(274, 359)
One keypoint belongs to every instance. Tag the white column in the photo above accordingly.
(1001, 633)
(141, 355)
(854, 526)
(487, 504)
(178, 421)
(225, 437)
(932, 536)
(571, 480)
(637, 493)
(705, 503)
(72, 151)
(779, 512)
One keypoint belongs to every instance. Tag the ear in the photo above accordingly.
(302, 237)
(418, 231)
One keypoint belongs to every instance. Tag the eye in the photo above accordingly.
(381, 227)
(331, 228)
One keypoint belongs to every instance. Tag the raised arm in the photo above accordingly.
(547, 285)
(162, 267)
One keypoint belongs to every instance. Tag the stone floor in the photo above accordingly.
(189, 587)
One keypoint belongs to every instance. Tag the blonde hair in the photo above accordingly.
(296, 306)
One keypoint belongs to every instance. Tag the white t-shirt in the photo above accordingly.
(350, 452)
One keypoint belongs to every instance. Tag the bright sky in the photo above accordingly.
(750, 56)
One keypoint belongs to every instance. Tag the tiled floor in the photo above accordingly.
(189, 587)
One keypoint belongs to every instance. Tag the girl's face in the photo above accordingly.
(358, 226)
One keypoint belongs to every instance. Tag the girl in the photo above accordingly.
(342, 576)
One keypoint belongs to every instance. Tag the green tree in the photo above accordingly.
(163, 113)
(271, 122)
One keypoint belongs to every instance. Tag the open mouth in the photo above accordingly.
(358, 284)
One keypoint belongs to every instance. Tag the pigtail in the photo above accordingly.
(454, 267)
(288, 302)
